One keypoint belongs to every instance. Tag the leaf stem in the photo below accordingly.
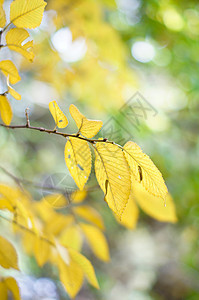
(4, 29)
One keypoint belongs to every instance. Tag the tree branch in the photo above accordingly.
(63, 191)
(54, 131)
(65, 135)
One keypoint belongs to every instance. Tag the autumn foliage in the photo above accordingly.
(128, 178)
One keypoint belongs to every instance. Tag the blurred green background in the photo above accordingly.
(97, 55)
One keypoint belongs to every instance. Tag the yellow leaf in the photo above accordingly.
(144, 171)
(3, 290)
(58, 116)
(85, 265)
(22, 215)
(8, 69)
(97, 241)
(27, 13)
(18, 201)
(78, 160)
(2, 16)
(63, 253)
(6, 204)
(86, 127)
(15, 41)
(113, 176)
(89, 214)
(44, 211)
(10, 194)
(71, 276)
(130, 216)
(5, 110)
(56, 200)
(8, 255)
(78, 196)
(28, 242)
(14, 93)
(153, 206)
(72, 237)
(47, 214)
(41, 250)
(58, 224)
(12, 286)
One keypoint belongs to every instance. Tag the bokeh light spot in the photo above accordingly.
(143, 51)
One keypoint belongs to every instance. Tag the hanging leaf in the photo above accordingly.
(58, 116)
(144, 171)
(71, 237)
(78, 160)
(14, 93)
(86, 127)
(8, 285)
(113, 176)
(130, 216)
(2, 16)
(3, 289)
(152, 205)
(12, 286)
(27, 13)
(8, 69)
(8, 255)
(86, 266)
(5, 110)
(71, 276)
(96, 240)
(89, 214)
(15, 41)
(41, 250)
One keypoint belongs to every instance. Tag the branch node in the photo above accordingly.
(27, 117)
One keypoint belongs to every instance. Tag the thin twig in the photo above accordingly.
(20, 181)
(17, 180)
(27, 117)
(4, 94)
(65, 135)
(92, 141)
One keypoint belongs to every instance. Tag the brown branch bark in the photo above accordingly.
(54, 131)
(41, 129)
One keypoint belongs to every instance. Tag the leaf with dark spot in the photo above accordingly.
(140, 173)
(80, 167)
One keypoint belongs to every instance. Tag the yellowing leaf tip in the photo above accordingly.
(88, 128)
